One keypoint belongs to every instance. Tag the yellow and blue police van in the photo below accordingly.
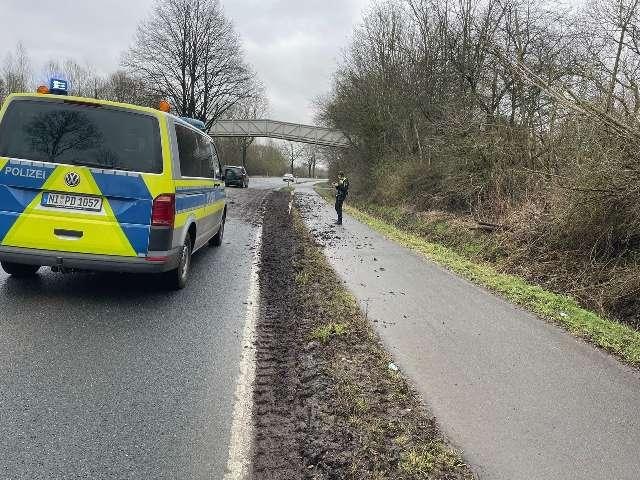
(101, 186)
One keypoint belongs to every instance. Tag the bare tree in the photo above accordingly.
(189, 52)
(3, 91)
(16, 71)
(250, 108)
(83, 80)
(293, 152)
(614, 19)
(520, 112)
(310, 158)
(122, 87)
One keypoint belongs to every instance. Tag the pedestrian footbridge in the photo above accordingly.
(294, 132)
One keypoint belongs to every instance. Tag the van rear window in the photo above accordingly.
(76, 133)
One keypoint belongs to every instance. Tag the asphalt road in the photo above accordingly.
(522, 398)
(108, 376)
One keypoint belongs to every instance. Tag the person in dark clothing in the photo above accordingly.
(342, 189)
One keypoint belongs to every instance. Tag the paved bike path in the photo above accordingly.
(522, 398)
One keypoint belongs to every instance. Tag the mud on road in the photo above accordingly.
(246, 204)
(329, 403)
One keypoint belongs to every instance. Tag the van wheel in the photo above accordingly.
(19, 269)
(177, 279)
(216, 240)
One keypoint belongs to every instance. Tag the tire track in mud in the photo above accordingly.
(276, 412)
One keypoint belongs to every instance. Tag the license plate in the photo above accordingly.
(72, 202)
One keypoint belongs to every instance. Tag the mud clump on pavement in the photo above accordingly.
(246, 204)
(324, 234)
(330, 402)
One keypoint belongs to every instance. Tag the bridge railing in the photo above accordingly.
(282, 130)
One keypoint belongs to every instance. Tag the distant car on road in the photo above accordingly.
(289, 178)
(235, 175)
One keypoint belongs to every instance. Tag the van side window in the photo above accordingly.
(195, 153)
(216, 168)
(204, 156)
(187, 149)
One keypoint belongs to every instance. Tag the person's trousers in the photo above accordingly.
(339, 202)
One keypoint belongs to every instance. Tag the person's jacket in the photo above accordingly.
(342, 187)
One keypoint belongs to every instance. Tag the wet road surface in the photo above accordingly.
(522, 398)
(110, 376)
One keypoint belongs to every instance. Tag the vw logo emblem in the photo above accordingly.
(72, 179)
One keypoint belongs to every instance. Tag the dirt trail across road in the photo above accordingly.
(521, 397)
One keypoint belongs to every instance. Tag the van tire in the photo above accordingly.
(216, 240)
(177, 279)
(20, 269)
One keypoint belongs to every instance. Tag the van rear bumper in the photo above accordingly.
(83, 261)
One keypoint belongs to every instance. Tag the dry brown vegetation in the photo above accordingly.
(520, 116)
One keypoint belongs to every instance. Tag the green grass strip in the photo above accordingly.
(614, 337)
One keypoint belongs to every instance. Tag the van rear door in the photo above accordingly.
(72, 176)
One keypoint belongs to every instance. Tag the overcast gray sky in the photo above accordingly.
(292, 44)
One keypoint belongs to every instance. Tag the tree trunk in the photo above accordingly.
(616, 65)
(314, 165)
(292, 159)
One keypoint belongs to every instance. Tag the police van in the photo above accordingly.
(95, 185)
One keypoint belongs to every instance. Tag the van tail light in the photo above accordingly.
(163, 213)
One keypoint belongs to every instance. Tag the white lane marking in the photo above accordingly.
(239, 461)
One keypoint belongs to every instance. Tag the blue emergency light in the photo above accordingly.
(58, 87)
(195, 122)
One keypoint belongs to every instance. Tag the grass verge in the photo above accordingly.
(371, 424)
(614, 337)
